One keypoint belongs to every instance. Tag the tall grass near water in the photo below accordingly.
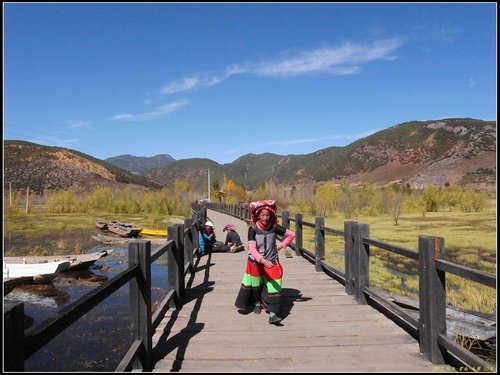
(470, 240)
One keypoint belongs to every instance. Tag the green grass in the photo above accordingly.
(469, 238)
(41, 233)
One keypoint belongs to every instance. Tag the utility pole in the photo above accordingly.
(209, 185)
(27, 198)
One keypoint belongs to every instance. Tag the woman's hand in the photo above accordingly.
(267, 263)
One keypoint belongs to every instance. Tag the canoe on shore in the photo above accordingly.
(119, 228)
(35, 272)
(154, 232)
(101, 223)
(124, 230)
(77, 261)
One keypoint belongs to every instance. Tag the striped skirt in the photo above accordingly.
(260, 284)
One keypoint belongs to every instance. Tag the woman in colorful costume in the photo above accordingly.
(262, 281)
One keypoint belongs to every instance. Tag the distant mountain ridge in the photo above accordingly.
(42, 168)
(140, 164)
(417, 153)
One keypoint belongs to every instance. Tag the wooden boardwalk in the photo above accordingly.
(323, 330)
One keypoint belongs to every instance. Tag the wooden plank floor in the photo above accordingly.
(323, 330)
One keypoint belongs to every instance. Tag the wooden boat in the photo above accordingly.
(38, 272)
(119, 228)
(154, 232)
(77, 261)
(101, 223)
(124, 229)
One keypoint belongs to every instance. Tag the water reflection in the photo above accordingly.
(39, 294)
(98, 340)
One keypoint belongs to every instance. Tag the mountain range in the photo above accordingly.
(140, 164)
(418, 153)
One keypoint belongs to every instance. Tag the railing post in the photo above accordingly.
(201, 216)
(13, 336)
(247, 212)
(361, 257)
(139, 253)
(319, 242)
(180, 260)
(173, 269)
(349, 256)
(298, 234)
(189, 243)
(286, 219)
(432, 297)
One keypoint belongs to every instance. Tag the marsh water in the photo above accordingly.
(99, 339)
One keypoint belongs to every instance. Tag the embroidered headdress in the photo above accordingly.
(268, 204)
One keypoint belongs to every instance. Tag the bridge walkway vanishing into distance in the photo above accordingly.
(323, 330)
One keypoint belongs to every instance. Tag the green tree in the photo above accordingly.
(60, 201)
(472, 201)
(325, 196)
(451, 195)
(346, 202)
(370, 200)
(100, 199)
(182, 186)
(431, 198)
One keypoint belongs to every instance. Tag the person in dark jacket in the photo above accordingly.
(233, 239)
(211, 243)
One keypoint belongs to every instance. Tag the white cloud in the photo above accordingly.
(345, 137)
(191, 84)
(77, 124)
(344, 60)
(183, 85)
(160, 111)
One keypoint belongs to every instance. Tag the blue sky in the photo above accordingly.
(221, 80)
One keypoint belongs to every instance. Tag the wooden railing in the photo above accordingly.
(430, 328)
(180, 247)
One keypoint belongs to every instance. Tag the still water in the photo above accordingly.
(99, 339)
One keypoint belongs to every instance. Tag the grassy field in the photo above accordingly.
(470, 239)
(40, 233)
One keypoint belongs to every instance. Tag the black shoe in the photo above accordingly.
(274, 319)
(257, 309)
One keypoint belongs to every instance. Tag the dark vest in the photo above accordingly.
(266, 242)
